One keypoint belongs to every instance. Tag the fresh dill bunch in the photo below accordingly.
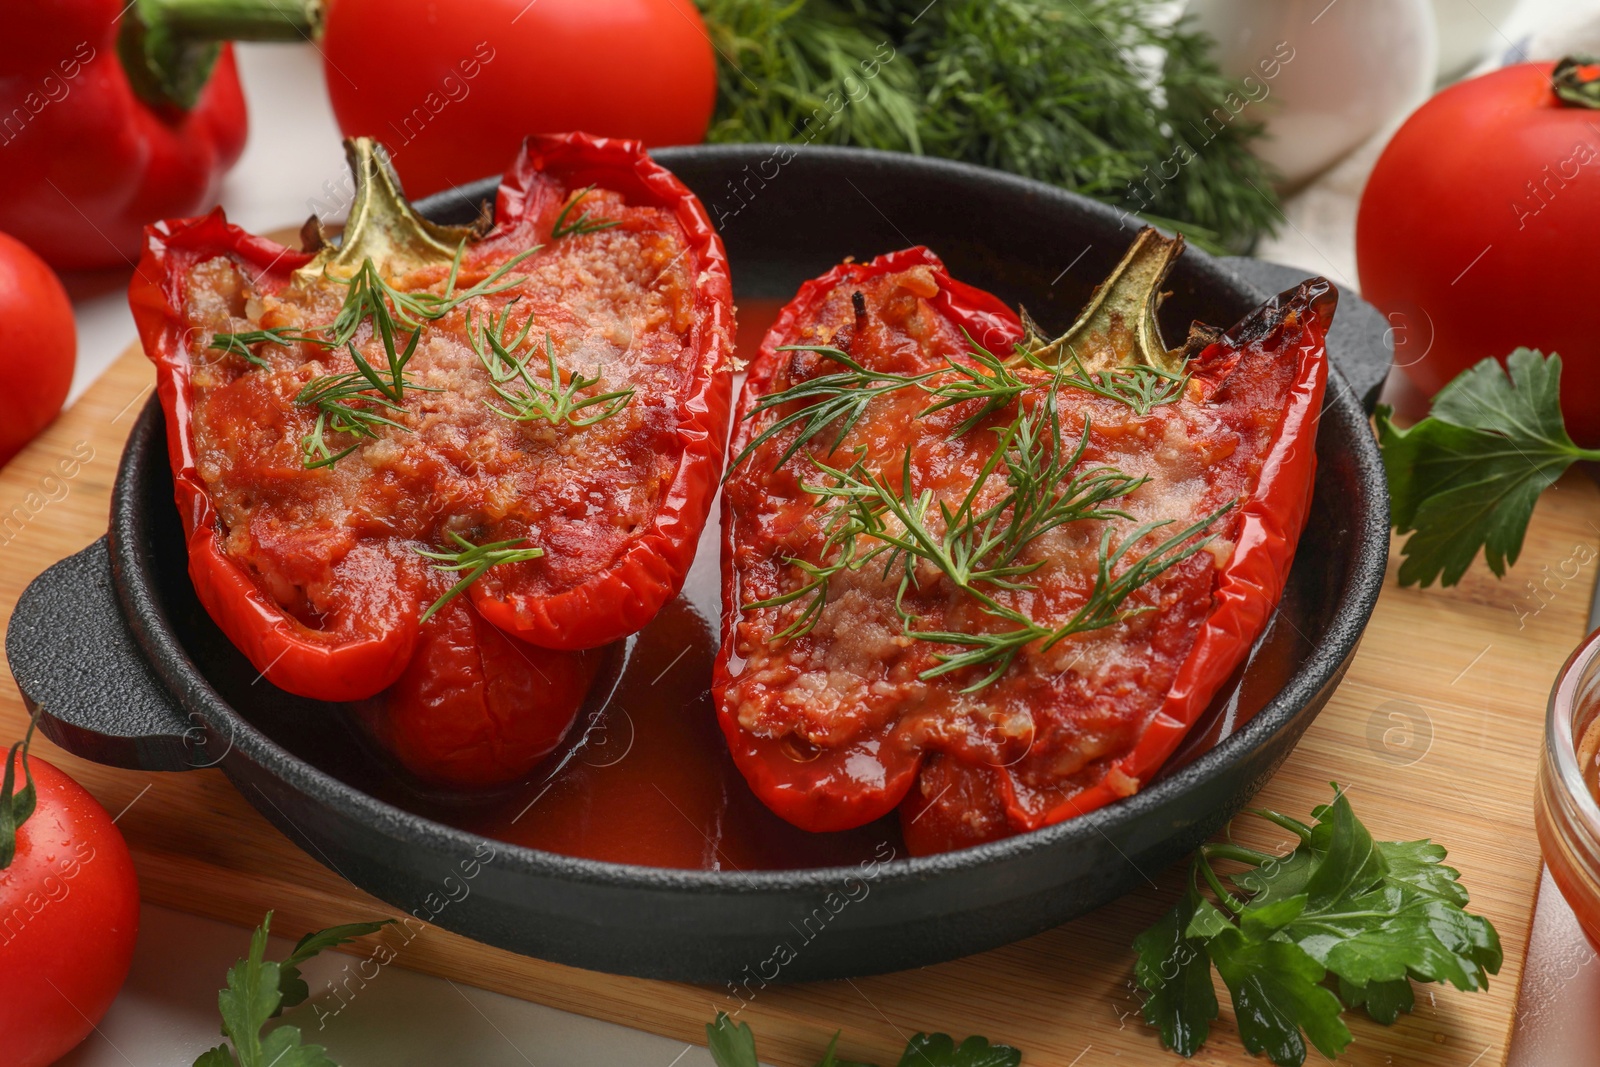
(805, 71)
(1063, 91)
(1108, 98)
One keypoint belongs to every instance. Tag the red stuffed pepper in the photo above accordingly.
(992, 579)
(431, 465)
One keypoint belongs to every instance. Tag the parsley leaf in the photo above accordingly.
(1364, 924)
(290, 984)
(1276, 994)
(258, 989)
(1468, 476)
(1176, 971)
(939, 1050)
(1374, 915)
(1384, 1001)
(734, 1045)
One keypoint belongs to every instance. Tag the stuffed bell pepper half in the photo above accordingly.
(427, 470)
(992, 579)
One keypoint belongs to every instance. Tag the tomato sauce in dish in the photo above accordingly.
(651, 781)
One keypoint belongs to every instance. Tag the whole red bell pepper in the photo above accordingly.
(468, 676)
(837, 717)
(96, 144)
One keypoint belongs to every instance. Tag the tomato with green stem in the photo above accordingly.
(1471, 235)
(69, 911)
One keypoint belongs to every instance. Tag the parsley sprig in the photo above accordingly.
(259, 990)
(1341, 921)
(1467, 476)
(734, 1045)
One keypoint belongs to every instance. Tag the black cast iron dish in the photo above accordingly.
(130, 671)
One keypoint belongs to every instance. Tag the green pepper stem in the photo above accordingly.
(235, 20)
(382, 227)
(170, 47)
(1118, 328)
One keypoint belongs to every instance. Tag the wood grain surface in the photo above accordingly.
(1436, 731)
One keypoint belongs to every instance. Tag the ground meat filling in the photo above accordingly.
(1057, 717)
(335, 546)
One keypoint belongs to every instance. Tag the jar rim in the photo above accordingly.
(1561, 743)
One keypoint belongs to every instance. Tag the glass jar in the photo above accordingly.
(1566, 812)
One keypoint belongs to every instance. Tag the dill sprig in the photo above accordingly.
(360, 402)
(489, 344)
(550, 399)
(239, 344)
(827, 399)
(843, 396)
(991, 381)
(582, 224)
(785, 70)
(1103, 608)
(474, 561)
(555, 402)
(980, 548)
(356, 402)
(343, 407)
(370, 296)
(1141, 388)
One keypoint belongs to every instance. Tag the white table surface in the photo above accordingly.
(166, 1015)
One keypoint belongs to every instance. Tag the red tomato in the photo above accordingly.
(38, 346)
(1473, 234)
(69, 913)
(453, 89)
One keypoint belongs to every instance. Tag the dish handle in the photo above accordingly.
(72, 656)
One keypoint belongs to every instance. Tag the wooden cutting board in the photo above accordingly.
(1436, 731)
